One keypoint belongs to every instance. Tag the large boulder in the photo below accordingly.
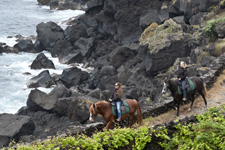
(41, 80)
(24, 46)
(43, 2)
(98, 94)
(85, 46)
(74, 32)
(61, 48)
(12, 127)
(66, 52)
(192, 7)
(219, 29)
(148, 18)
(162, 40)
(38, 100)
(72, 57)
(73, 76)
(76, 108)
(67, 4)
(121, 55)
(41, 61)
(1, 49)
(47, 35)
(48, 124)
(197, 19)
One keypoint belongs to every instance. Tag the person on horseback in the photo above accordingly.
(116, 98)
(182, 74)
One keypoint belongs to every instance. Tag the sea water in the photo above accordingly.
(20, 17)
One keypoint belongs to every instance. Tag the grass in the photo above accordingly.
(219, 47)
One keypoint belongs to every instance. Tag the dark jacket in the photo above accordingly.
(182, 73)
(115, 97)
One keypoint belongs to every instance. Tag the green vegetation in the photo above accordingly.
(209, 29)
(222, 2)
(206, 134)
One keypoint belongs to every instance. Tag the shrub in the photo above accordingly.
(207, 133)
(209, 29)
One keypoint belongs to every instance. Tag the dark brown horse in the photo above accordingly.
(177, 98)
(105, 110)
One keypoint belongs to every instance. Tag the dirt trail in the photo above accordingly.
(215, 97)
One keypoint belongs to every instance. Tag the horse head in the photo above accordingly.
(93, 112)
(166, 85)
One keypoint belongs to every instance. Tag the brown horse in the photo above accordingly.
(105, 110)
(177, 98)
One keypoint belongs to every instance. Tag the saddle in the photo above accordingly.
(124, 108)
(189, 86)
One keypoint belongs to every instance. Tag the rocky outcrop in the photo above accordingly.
(41, 61)
(38, 100)
(25, 46)
(193, 7)
(163, 40)
(75, 108)
(14, 126)
(1, 49)
(65, 4)
(47, 35)
(73, 76)
(42, 80)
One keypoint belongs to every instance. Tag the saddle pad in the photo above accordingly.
(124, 108)
(189, 89)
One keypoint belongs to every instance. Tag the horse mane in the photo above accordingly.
(102, 104)
(173, 82)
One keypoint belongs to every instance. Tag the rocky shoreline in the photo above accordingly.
(135, 42)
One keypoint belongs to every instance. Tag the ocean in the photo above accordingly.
(20, 17)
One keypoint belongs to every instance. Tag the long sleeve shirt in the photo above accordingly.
(182, 73)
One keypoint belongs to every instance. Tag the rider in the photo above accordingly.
(116, 97)
(182, 74)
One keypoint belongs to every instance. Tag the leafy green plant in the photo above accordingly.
(206, 134)
(209, 29)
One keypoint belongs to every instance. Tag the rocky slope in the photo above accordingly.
(135, 42)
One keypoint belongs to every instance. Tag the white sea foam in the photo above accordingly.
(14, 92)
(20, 17)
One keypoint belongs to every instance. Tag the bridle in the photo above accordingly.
(92, 116)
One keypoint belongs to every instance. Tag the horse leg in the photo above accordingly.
(178, 107)
(203, 96)
(192, 101)
(109, 125)
(135, 118)
(174, 105)
(131, 120)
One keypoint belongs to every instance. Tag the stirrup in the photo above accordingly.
(184, 99)
(119, 119)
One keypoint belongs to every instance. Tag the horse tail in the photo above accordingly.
(204, 90)
(139, 114)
